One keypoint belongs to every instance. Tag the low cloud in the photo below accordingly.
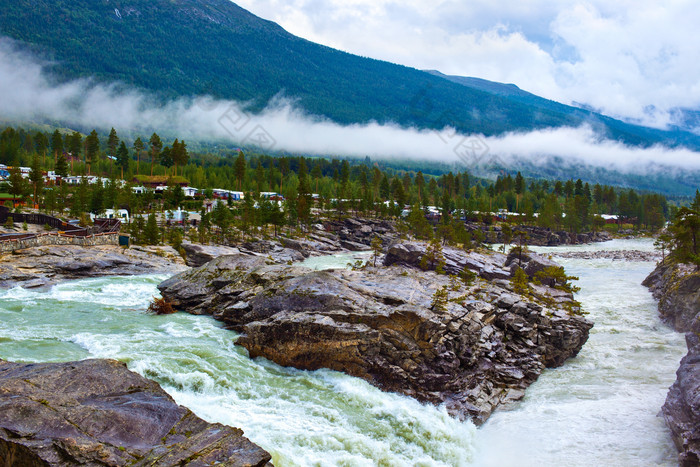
(27, 93)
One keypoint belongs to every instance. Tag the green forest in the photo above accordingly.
(335, 186)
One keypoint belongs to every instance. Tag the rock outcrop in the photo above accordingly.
(197, 254)
(541, 236)
(97, 412)
(475, 350)
(677, 288)
(47, 265)
(682, 407)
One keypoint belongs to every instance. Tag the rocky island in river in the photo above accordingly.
(471, 344)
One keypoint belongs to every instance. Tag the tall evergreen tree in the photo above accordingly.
(56, 144)
(112, 145)
(36, 177)
(138, 150)
(156, 146)
(123, 158)
(239, 169)
(61, 168)
(92, 149)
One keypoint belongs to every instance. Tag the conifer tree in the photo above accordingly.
(138, 150)
(56, 144)
(92, 148)
(112, 145)
(239, 169)
(151, 232)
(156, 146)
(123, 158)
(36, 177)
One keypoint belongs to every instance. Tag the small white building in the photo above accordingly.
(190, 192)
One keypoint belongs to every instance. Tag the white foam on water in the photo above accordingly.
(601, 407)
(598, 409)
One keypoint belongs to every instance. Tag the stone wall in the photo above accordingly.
(58, 239)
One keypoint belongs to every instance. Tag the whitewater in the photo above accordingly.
(600, 408)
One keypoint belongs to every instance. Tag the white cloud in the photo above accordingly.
(630, 59)
(25, 93)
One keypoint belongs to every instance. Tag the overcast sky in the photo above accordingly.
(634, 59)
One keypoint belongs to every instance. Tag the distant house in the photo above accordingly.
(272, 195)
(610, 218)
(226, 194)
(139, 190)
(121, 214)
(190, 192)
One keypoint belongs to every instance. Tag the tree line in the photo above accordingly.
(346, 186)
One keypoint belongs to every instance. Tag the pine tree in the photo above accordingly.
(151, 232)
(376, 245)
(36, 177)
(61, 168)
(138, 150)
(440, 300)
(156, 146)
(56, 144)
(433, 257)
(239, 169)
(18, 186)
(92, 148)
(42, 145)
(123, 158)
(303, 193)
(112, 145)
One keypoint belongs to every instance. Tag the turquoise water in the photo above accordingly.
(302, 418)
(598, 409)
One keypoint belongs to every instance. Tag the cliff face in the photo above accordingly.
(677, 287)
(682, 407)
(97, 412)
(477, 350)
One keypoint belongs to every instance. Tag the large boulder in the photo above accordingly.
(476, 350)
(97, 412)
(531, 263)
(489, 267)
(198, 254)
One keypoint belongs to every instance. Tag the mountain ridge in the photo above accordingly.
(214, 47)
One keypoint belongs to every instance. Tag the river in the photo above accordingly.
(598, 409)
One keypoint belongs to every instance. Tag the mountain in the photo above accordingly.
(616, 129)
(192, 47)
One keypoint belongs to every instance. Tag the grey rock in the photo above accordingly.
(48, 265)
(378, 324)
(677, 288)
(682, 407)
(97, 412)
(198, 254)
